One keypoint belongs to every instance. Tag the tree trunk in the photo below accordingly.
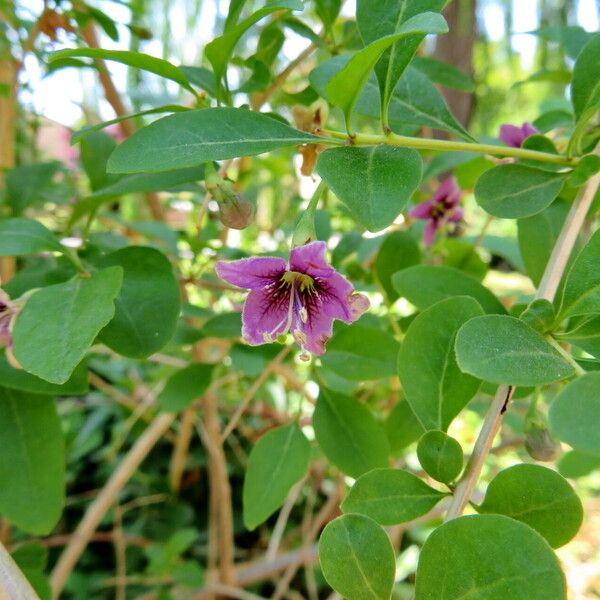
(456, 48)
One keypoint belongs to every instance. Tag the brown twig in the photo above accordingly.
(252, 392)
(105, 500)
(181, 448)
(220, 490)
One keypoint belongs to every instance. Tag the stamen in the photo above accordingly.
(303, 315)
(304, 356)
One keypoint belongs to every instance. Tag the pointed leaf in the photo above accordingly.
(158, 66)
(436, 389)
(349, 435)
(218, 52)
(345, 87)
(59, 323)
(32, 461)
(374, 182)
(85, 131)
(279, 459)
(194, 137)
(415, 100)
(379, 19)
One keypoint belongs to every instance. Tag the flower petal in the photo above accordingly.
(251, 273)
(265, 315)
(334, 299)
(423, 210)
(511, 135)
(429, 232)
(456, 215)
(528, 129)
(448, 191)
(311, 259)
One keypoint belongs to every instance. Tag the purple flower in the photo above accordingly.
(441, 209)
(514, 136)
(8, 313)
(303, 295)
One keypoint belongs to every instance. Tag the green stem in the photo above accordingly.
(392, 139)
(578, 369)
(72, 255)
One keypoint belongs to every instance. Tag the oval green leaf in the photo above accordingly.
(488, 557)
(59, 323)
(18, 379)
(185, 386)
(575, 414)
(441, 456)
(357, 558)
(585, 89)
(25, 236)
(390, 496)
(539, 497)
(349, 435)
(424, 285)
(436, 389)
(398, 251)
(148, 304)
(502, 349)
(514, 191)
(358, 352)
(374, 182)
(279, 459)
(192, 138)
(32, 461)
(581, 293)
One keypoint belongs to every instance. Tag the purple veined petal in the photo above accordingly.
(527, 129)
(251, 273)
(4, 299)
(311, 259)
(266, 315)
(335, 300)
(456, 215)
(448, 191)
(429, 232)
(511, 135)
(423, 210)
